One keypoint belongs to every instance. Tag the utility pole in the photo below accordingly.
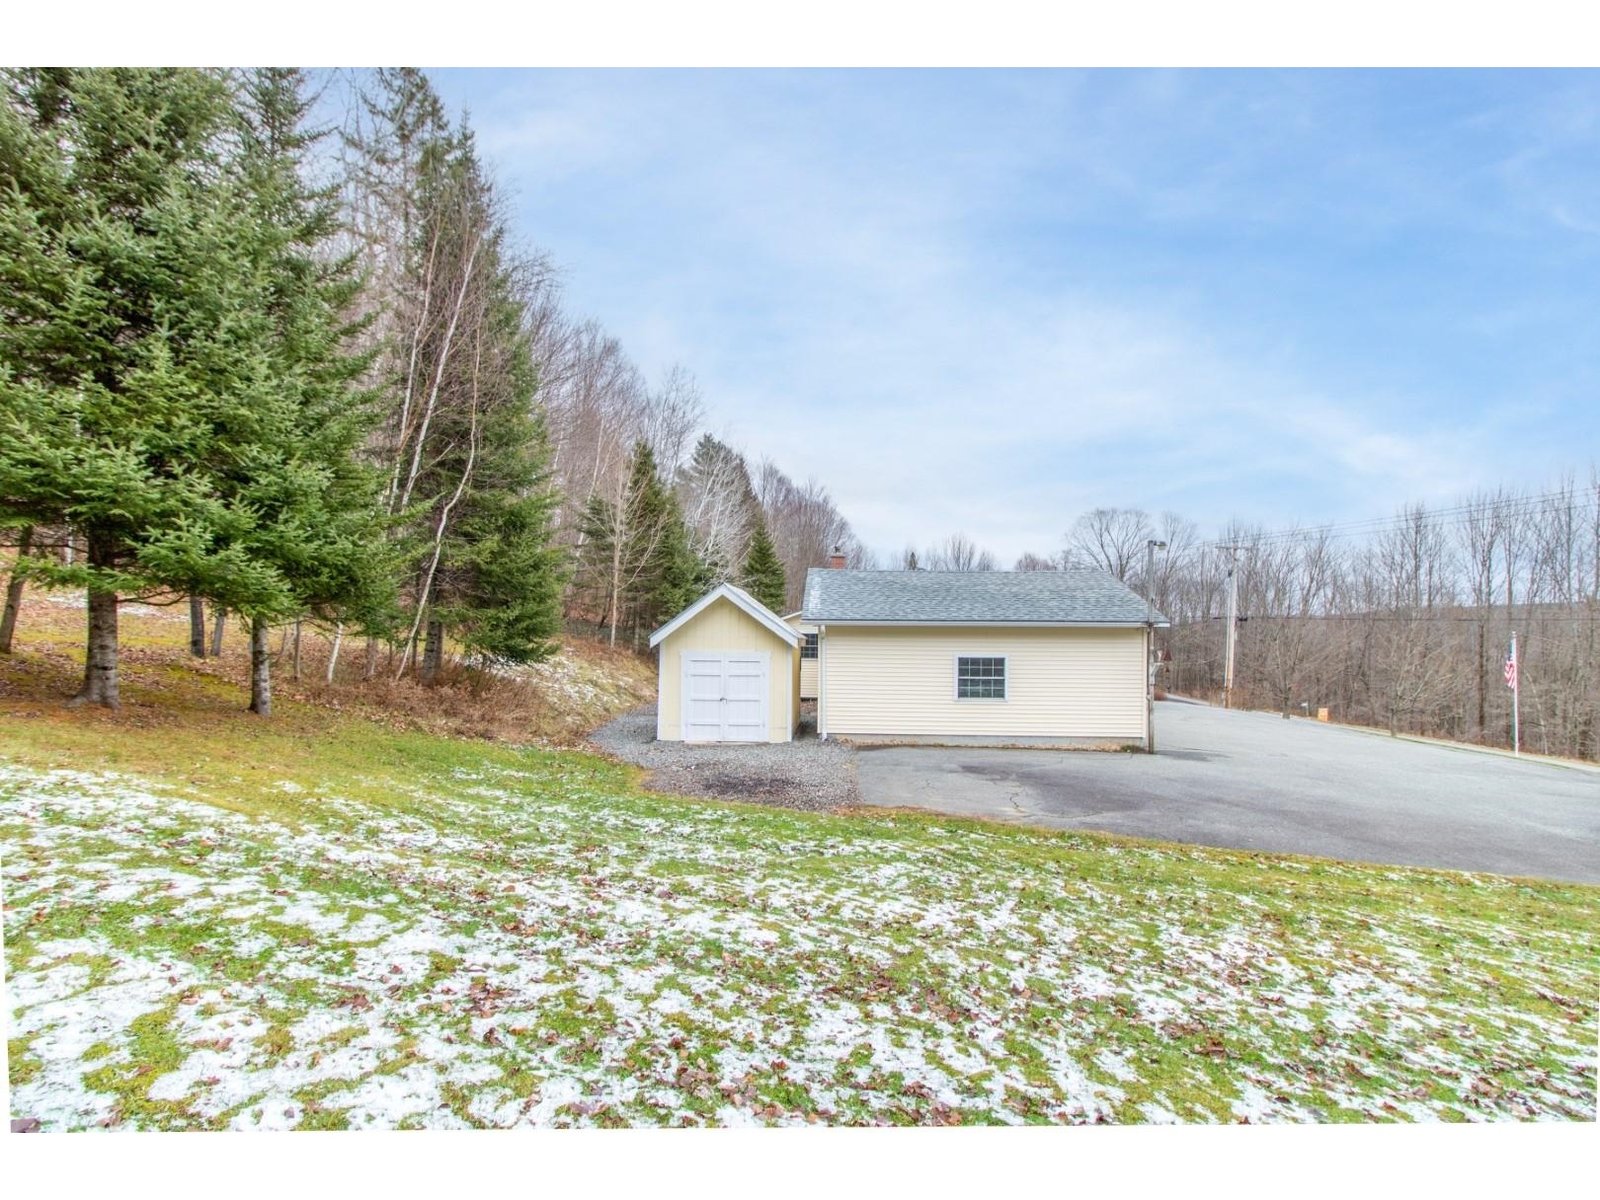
(1514, 678)
(1150, 548)
(1233, 623)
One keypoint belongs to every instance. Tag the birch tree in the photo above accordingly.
(720, 510)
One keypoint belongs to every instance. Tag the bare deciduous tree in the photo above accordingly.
(804, 525)
(1112, 539)
(958, 552)
(1034, 562)
(1402, 626)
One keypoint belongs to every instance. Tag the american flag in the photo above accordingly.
(1511, 668)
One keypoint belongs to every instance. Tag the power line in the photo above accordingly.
(1430, 521)
(1578, 500)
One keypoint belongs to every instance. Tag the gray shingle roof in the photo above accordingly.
(1078, 595)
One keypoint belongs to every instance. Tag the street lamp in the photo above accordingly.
(1150, 548)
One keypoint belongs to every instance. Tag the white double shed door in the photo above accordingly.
(725, 696)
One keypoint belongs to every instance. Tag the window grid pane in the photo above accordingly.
(980, 678)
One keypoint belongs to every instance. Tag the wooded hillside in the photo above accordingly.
(280, 356)
(1402, 623)
(298, 371)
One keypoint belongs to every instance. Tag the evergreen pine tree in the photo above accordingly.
(461, 443)
(313, 503)
(637, 565)
(486, 569)
(506, 575)
(763, 572)
(402, 180)
(122, 372)
(646, 557)
(681, 577)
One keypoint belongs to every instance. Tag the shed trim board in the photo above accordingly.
(740, 599)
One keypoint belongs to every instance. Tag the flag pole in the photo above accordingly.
(1516, 697)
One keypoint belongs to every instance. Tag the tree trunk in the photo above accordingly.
(260, 669)
(433, 651)
(616, 586)
(370, 668)
(8, 622)
(197, 627)
(294, 669)
(100, 664)
(333, 654)
(219, 616)
(438, 534)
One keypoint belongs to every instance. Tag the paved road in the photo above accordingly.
(1255, 781)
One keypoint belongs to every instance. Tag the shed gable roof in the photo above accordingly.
(736, 596)
(1075, 596)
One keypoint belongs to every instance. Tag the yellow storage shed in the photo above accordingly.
(728, 670)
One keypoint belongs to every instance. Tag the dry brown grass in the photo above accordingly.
(555, 703)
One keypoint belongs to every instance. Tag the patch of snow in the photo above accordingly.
(581, 925)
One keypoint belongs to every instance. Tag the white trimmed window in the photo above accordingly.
(980, 677)
(808, 648)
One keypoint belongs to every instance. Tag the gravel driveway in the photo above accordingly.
(804, 773)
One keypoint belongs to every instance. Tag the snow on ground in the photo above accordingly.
(519, 948)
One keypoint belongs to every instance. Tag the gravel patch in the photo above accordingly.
(805, 773)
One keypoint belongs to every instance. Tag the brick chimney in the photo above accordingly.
(836, 559)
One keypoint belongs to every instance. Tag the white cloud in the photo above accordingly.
(839, 262)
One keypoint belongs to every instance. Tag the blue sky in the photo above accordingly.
(986, 301)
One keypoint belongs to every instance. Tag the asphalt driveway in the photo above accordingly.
(1254, 781)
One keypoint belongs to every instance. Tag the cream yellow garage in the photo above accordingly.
(981, 657)
(728, 670)
(808, 654)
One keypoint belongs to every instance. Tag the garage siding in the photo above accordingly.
(808, 666)
(1065, 683)
(724, 627)
(796, 682)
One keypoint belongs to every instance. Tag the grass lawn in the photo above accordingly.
(322, 921)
